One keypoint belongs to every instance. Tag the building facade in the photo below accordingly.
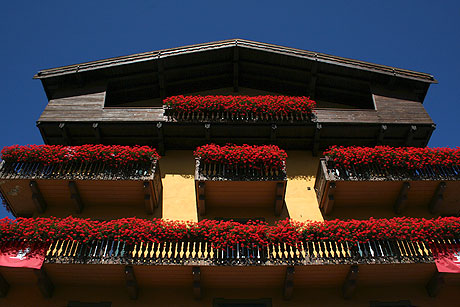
(119, 101)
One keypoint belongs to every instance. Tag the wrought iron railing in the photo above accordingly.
(375, 171)
(203, 253)
(74, 170)
(214, 171)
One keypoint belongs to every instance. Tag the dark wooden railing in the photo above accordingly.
(214, 116)
(186, 252)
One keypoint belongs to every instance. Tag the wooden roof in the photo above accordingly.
(241, 43)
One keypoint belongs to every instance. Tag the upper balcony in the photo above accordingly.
(382, 181)
(240, 177)
(345, 257)
(88, 180)
(120, 101)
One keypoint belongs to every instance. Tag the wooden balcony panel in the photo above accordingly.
(436, 194)
(73, 192)
(230, 190)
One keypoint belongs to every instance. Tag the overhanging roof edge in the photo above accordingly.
(310, 55)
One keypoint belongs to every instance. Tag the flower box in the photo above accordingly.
(239, 108)
(387, 177)
(240, 176)
(64, 179)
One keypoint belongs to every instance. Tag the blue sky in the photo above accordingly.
(416, 35)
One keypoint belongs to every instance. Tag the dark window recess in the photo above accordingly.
(135, 92)
(220, 302)
(240, 220)
(402, 303)
(88, 304)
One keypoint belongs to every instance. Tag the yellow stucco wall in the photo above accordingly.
(179, 199)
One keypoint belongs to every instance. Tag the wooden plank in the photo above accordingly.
(131, 282)
(201, 197)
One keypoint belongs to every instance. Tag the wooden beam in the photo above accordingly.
(37, 197)
(201, 198)
(279, 197)
(44, 283)
(288, 289)
(437, 199)
(148, 198)
(349, 285)
(273, 133)
(401, 201)
(75, 197)
(65, 134)
(235, 68)
(161, 77)
(161, 141)
(432, 128)
(316, 139)
(435, 284)
(329, 202)
(42, 132)
(97, 133)
(313, 78)
(207, 131)
(131, 282)
(383, 129)
(4, 286)
(196, 273)
(410, 135)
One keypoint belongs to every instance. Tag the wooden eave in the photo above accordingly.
(314, 56)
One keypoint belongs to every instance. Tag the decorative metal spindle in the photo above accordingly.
(360, 252)
(123, 250)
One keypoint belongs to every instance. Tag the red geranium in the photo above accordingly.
(258, 107)
(52, 154)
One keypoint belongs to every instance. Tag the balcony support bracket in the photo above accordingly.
(75, 197)
(437, 199)
(349, 285)
(381, 135)
(44, 283)
(316, 139)
(4, 286)
(279, 198)
(148, 198)
(400, 203)
(201, 199)
(161, 141)
(196, 273)
(330, 199)
(410, 135)
(131, 282)
(289, 283)
(435, 284)
(37, 197)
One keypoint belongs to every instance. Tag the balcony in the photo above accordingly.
(390, 189)
(221, 184)
(196, 261)
(75, 187)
